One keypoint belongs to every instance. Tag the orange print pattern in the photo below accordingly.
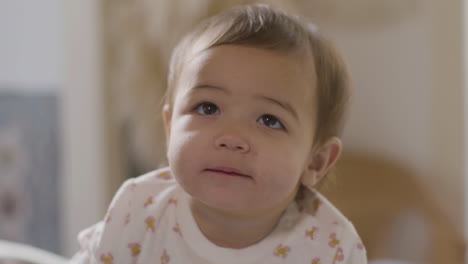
(165, 258)
(339, 256)
(164, 176)
(149, 201)
(311, 232)
(333, 240)
(150, 223)
(107, 258)
(316, 261)
(177, 229)
(317, 203)
(135, 249)
(282, 251)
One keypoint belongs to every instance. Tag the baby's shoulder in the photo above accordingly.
(342, 233)
(141, 206)
(141, 192)
(151, 183)
(327, 218)
(313, 228)
(149, 193)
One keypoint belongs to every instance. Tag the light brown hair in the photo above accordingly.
(264, 27)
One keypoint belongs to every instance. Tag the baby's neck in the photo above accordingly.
(233, 231)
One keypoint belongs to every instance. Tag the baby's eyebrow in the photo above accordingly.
(211, 87)
(285, 105)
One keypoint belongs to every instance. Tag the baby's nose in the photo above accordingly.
(232, 142)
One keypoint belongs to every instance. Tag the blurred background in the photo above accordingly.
(80, 89)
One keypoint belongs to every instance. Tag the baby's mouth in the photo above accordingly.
(228, 171)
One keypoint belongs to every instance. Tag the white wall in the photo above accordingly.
(84, 156)
(408, 105)
(31, 45)
(448, 88)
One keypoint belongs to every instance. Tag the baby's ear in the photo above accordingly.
(167, 115)
(321, 161)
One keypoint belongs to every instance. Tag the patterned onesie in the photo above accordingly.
(149, 221)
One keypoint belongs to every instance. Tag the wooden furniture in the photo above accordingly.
(395, 216)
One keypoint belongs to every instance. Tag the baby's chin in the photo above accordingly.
(224, 202)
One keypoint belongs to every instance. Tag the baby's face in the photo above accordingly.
(241, 128)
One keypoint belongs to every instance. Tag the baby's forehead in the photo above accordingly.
(223, 55)
(301, 54)
(251, 62)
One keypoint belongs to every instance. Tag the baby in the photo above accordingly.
(254, 109)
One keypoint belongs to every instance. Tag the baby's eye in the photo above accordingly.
(207, 109)
(270, 121)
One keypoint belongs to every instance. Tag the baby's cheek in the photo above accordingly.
(288, 165)
(179, 150)
(282, 170)
(188, 148)
(255, 154)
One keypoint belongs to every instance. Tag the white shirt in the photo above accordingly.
(149, 221)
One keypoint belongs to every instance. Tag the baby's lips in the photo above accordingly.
(228, 170)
